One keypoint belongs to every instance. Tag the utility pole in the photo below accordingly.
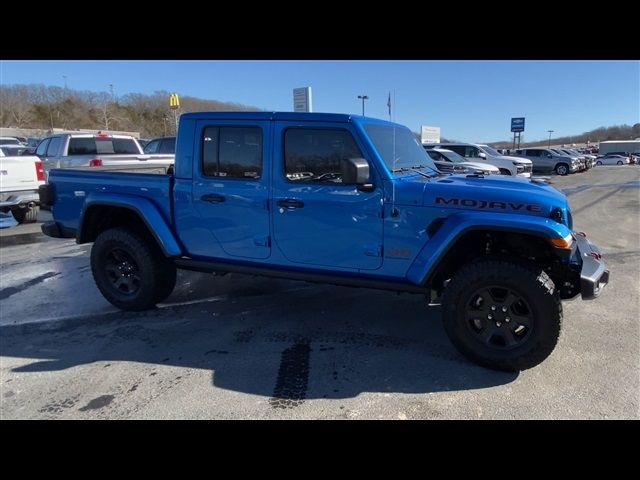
(363, 97)
(550, 132)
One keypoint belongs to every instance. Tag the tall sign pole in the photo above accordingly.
(174, 104)
(517, 127)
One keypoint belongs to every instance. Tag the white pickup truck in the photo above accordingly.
(20, 178)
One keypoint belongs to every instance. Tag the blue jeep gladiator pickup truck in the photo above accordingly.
(341, 199)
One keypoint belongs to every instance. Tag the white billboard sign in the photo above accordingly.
(302, 99)
(430, 134)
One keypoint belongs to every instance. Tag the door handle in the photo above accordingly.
(290, 203)
(213, 198)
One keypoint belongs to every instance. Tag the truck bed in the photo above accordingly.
(74, 187)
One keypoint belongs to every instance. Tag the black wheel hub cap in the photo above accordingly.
(122, 271)
(499, 317)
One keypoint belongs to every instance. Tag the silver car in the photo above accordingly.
(546, 160)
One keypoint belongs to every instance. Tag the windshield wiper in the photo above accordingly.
(416, 168)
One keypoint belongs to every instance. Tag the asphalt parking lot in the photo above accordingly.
(245, 347)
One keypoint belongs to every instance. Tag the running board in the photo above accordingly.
(313, 277)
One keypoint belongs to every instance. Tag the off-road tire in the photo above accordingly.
(532, 284)
(156, 273)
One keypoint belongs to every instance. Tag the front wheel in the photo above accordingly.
(502, 315)
(131, 272)
(505, 171)
(598, 163)
(619, 162)
(562, 169)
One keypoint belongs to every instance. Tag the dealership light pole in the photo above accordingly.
(550, 132)
(363, 97)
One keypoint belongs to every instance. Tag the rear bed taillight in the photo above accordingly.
(40, 171)
(96, 162)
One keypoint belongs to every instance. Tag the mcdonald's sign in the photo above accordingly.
(174, 101)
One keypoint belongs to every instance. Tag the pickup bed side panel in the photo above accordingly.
(146, 193)
(146, 210)
(459, 223)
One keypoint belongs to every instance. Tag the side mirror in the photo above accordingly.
(482, 155)
(355, 171)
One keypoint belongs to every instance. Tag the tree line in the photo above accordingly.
(40, 106)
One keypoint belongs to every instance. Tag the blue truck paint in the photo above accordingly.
(145, 209)
(341, 230)
(459, 223)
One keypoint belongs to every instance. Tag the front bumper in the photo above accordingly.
(594, 275)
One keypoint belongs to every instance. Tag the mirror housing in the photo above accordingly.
(355, 171)
(482, 155)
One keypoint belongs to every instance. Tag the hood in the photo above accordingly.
(494, 194)
(480, 166)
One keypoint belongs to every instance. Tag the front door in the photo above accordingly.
(230, 190)
(318, 220)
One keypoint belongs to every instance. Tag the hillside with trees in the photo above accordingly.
(39, 106)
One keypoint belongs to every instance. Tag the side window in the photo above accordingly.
(232, 152)
(472, 152)
(42, 147)
(533, 153)
(316, 154)
(152, 147)
(459, 149)
(168, 145)
(436, 155)
(54, 146)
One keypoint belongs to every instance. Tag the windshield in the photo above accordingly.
(491, 151)
(398, 147)
(452, 156)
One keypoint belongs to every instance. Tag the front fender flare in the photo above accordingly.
(144, 208)
(459, 224)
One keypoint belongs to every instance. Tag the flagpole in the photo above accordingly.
(394, 102)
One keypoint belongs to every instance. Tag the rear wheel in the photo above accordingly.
(26, 215)
(562, 169)
(131, 273)
(502, 315)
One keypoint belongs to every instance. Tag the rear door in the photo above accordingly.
(230, 190)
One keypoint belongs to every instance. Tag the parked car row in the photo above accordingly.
(549, 160)
(488, 157)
